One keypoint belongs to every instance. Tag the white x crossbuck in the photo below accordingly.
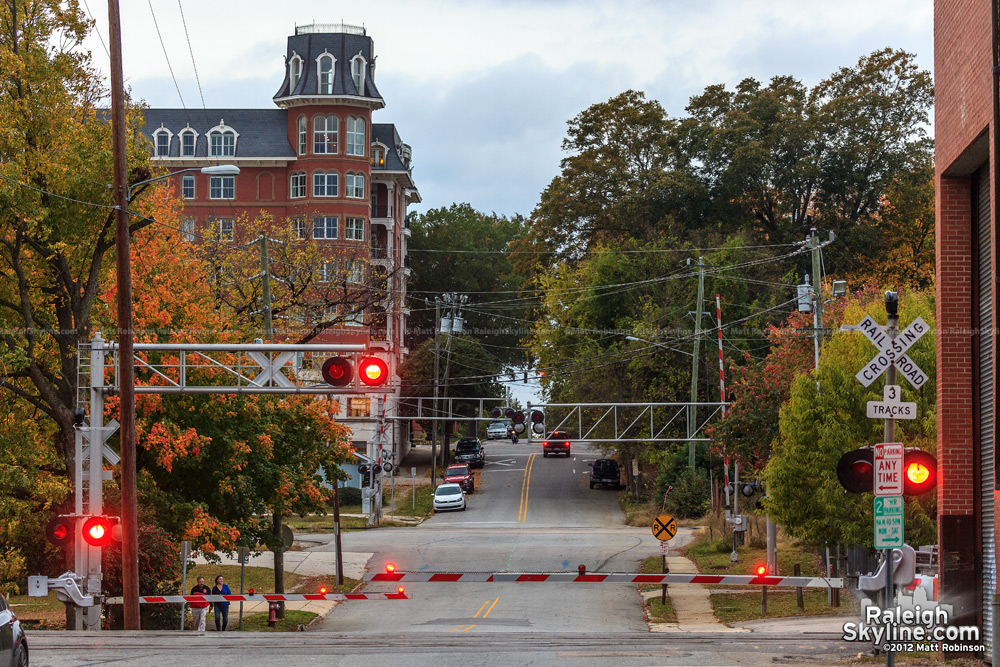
(892, 351)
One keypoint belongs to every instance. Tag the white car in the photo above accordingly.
(497, 431)
(449, 497)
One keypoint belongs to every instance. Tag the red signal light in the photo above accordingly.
(59, 530)
(390, 568)
(400, 590)
(338, 371)
(98, 530)
(761, 570)
(250, 592)
(856, 471)
(322, 590)
(919, 472)
(373, 371)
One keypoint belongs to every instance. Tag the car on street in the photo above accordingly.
(606, 473)
(460, 474)
(556, 443)
(471, 452)
(449, 497)
(498, 431)
(13, 643)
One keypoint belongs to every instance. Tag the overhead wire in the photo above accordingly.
(191, 51)
(165, 56)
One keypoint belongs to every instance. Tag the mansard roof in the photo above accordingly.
(309, 45)
(262, 133)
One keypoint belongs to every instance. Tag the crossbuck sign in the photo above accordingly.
(892, 352)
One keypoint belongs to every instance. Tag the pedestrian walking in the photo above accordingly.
(221, 608)
(200, 609)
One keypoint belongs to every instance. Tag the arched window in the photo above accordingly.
(161, 142)
(354, 185)
(297, 185)
(325, 184)
(325, 62)
(222, 141)
(358, 73)
(188, 139)
(325, 134)
(355, 136)
(295, 67)
(303, 135)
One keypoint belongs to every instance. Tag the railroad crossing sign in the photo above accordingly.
(891, 407)
(888, 522)
(664, 527)
(892, 352)
(889, 469)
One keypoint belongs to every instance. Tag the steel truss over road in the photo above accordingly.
(604, 578)
(594, 422)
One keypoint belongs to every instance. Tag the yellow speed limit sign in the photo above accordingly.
(664, 527)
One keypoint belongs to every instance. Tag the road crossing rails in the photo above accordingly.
(605, 578)
(267, 597)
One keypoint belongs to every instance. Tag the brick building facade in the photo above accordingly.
(965, 36)
(315, 162)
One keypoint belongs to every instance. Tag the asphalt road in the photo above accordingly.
(529, 513)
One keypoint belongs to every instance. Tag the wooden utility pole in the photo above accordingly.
(126, 370)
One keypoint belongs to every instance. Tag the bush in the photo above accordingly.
(689, 497)
(349, 495)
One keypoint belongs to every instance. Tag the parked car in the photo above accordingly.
(13, 643)
(461, 475)
(605, 472)
(556, 443)
(449, 497)
(471, 452)
(498, 431)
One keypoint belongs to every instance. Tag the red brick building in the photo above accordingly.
(317, 162)
(966, 120)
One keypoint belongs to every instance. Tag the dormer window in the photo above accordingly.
(358, 73)
(378, 157)
(188, 139)
(295, 72)
(161, 142)
(325, 63)
(355, 136)
(222, 141)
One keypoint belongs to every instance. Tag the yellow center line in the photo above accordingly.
(458, 628)
(522, 514)
(468, 628)
(476, 615)
(491, 607)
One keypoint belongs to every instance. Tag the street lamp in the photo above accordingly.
(649, 342)
(214, 170)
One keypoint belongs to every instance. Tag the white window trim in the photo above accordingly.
(349, 123)
(211, 178)
(353, 319)
(376, 145)
(292, 80)
(291, 184)
(326, 182)
(333, 73)
(156, 141)
(232, 228)
(326, 122)
(349, 190)
(364, 73)
(194, 191)
(326, 270)
(298, 228)
(188, 226)
(180, 147)
(348, 237)
(336, 228)
(221, 128)
(302, 135)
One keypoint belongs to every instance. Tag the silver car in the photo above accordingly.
(497, 431)
(449, 497)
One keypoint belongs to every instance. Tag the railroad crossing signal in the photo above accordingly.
(856, 471)
(664, 527)
(537, 417)
(892, 351)
(371, 373)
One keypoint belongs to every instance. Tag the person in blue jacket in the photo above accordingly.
(221, 608)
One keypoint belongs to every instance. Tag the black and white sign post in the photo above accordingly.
(888, 456)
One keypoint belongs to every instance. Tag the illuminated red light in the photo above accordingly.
(761, 570)
(400, 590)
(390, 568)
(322, 590)
(374, 371)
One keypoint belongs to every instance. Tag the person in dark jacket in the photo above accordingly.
(221, 608)
(200, 609)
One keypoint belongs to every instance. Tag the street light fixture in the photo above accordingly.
(649, 342)
(213, 170)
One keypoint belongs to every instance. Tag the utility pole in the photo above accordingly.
(453, 300)
(692, 410)
(126, 370)
(434, 427)
(265, 271)
(889, 435)
(817, 284)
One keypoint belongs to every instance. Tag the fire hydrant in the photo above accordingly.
(272, 614)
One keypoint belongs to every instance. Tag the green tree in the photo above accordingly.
(804, 495)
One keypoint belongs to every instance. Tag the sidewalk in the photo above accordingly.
(306, 563)
(691, 603)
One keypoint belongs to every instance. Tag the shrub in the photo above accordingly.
(689, 497)
(349, 495)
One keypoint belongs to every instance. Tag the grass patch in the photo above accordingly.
(404, 503)
(656, 611)
(45, 613)
(745, 606)
(261, 579)
(319, 523)
(257, 622)
(712, 556)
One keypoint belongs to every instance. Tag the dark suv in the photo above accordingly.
(470, 452)
(556, 443)
(605, 471)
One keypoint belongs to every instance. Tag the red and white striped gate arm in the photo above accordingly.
(303, 597)
(606, 578)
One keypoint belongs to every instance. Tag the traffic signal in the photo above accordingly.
(60, 530)
(355, 373)
(373, 371)
(919, 472)
(856, 471)
(496, 413)
(100, 531)
(518, 420)
(537, 418)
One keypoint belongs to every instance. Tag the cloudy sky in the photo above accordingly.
(482, 90)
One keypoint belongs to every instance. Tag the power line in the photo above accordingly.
(165, 56)
(603, 250)
(191, 51)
